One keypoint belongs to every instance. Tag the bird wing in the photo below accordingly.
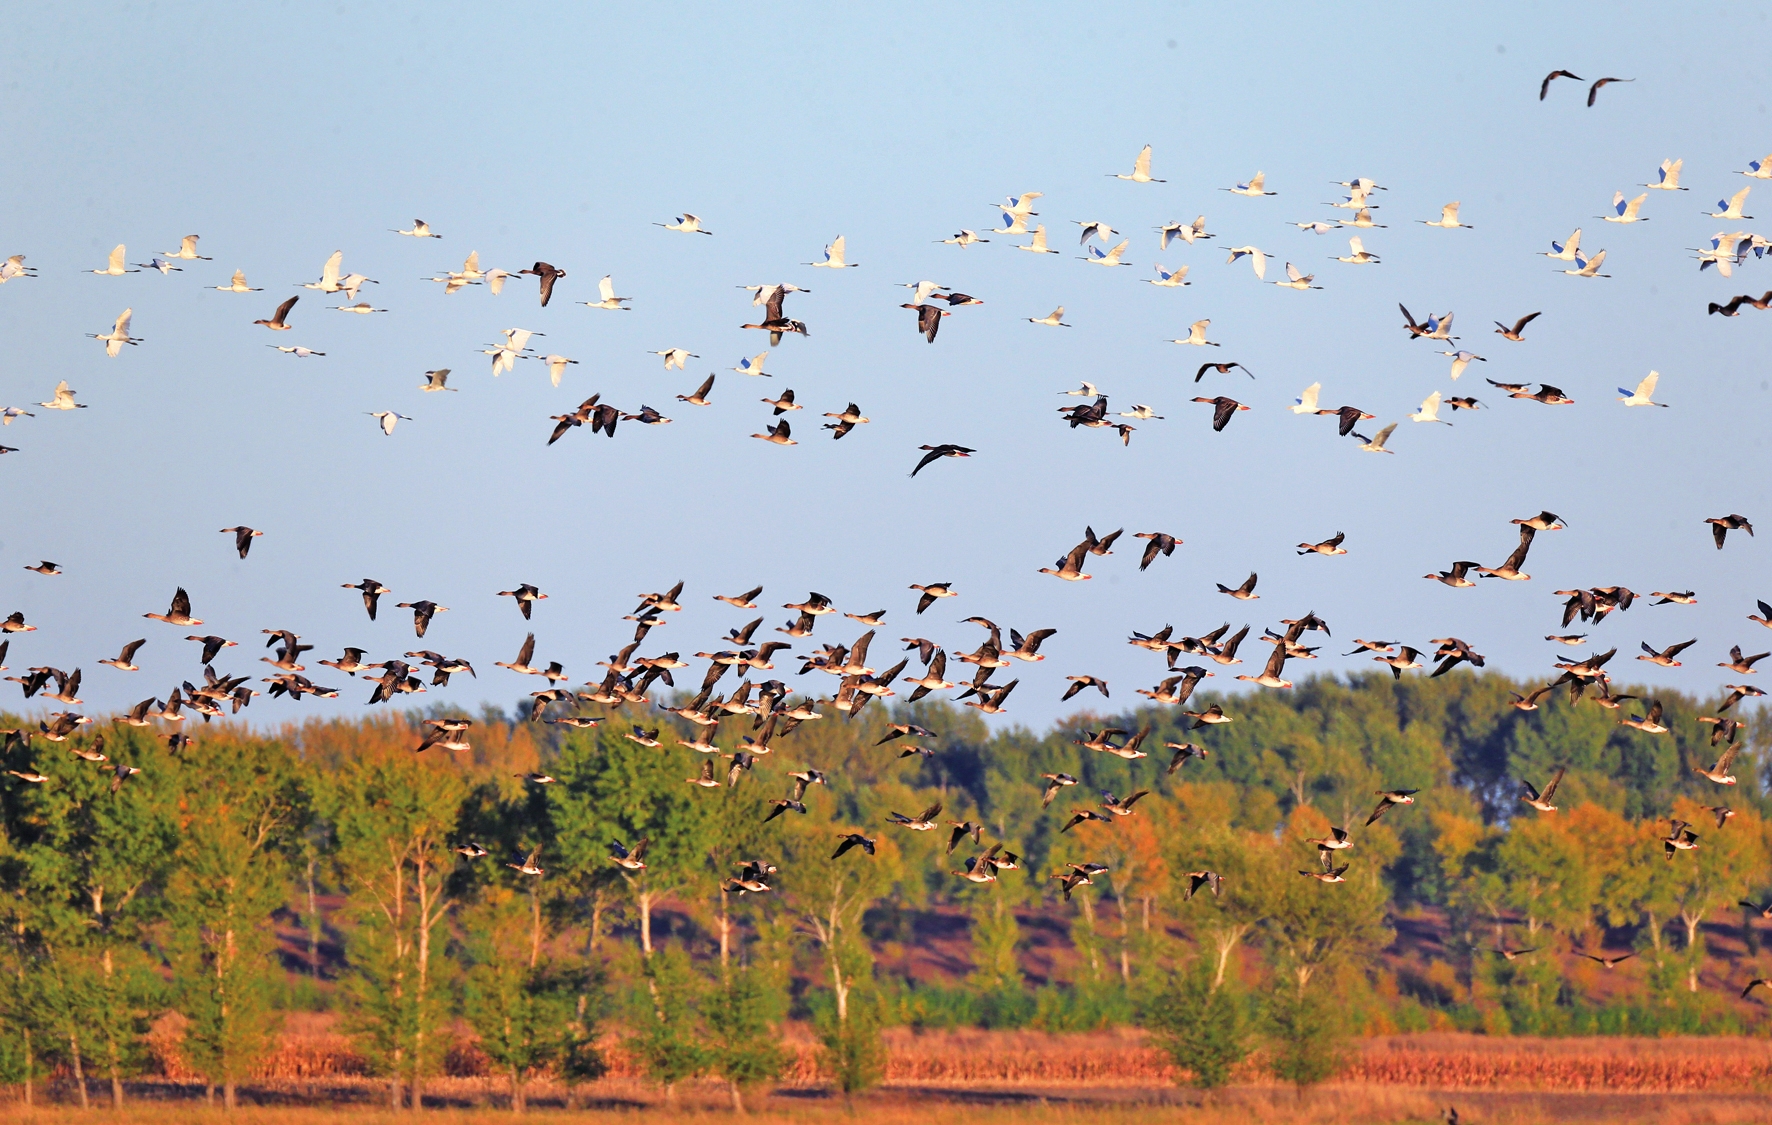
(283, 309)
(1556, 779)
(329, 275)
(1383, 436)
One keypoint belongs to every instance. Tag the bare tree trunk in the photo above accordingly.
(313, 924)
(534, 925)
(737, 1098)
(596, 919)
(1089, 917)
(518, 1104)
(644, 901)
(79, 1069)
(112, 1054)
(30, 1065)
(725, 933)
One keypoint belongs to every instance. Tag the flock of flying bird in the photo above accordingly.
(767, 705)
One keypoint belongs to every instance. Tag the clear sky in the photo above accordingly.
(557, 132)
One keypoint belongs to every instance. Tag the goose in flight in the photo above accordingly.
(1196, 336)
(1448, 218)
(923, 822)
(1515, 333)
(1097, 256)
(115, 265)
(328, 282)
(124, 661)
(548, 275)
(1566, 251)
(1297, 280)
(1665, 657)
(1589, 267)
(1357, 254)
(1330, 873)
(1721, 526)
(278, 320)
(1187, 232)
(243, 537)
(1223, 410)
(1054, 319)
(1169, 279)
(1544, 87)
(1594, 90)
(1257, 258)
(1547, 394)
(687, 223)
(606, 298)
(963, 239)
(64, 399)
(1245, 592)
(1330, 546)
(436, 380)
(1389, 799)
(1270, 675)
(778, 434)
(928, 319)
(1623, 212)
(179, 613)
(387, 419)
(833, 256)
(1510, 568)
(1430, 410)
(937, 452)
(1529, 702)
(1376, 444)
(700, 395)
(674, 357)
(1733, 308)
(1038, 245)
(1455, 577)
(1348, 417)
(1141, 169)
(1256, 186)
(1719, 772)
(1730, 209)
(45, 568)
(118, 335)
(1430, 328)
(420, 229)
(1070, 567)
(1642, 396)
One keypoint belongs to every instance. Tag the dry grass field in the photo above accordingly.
(985, 1078)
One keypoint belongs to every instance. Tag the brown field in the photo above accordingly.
(991, 1077)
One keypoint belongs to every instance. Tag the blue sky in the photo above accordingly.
(561, 134)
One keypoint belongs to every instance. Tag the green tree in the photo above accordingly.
(741, 1045)
(669, 1045)
(1199, 1024)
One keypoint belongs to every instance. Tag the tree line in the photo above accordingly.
(130, 897)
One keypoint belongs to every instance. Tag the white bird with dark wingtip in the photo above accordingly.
(606, 298)
(963, 239)
(1257, 258)
(1643, 395)
(1566, 251)
(437, 380)
(1589, 267)
(1376, 444)
(118, 335)
(1054, 319)
(1141, 169)
(1196, 335)
(1669, 178)
(505, 355)
(420, 229)
(1097, 256)
(115, 266)
(1429, 412)
(1760, 169)
(1731, 209)
(63, 399)
(1257, 186)
(1448, 218)
(687, 223)
(387, 419)
(1306, 402)
(1625, 212)
(236, 285)
(833, 256)
(676, 357)
(328, 282)
(1187, 232)
(1038, 245)
(1357, 253)
(750, 366)
(1297, 280)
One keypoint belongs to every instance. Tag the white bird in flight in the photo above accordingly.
(505, 355)
(1430, 410)
(1669, 179)
(1257, 185)
(15, 267)
(361, 307)
(1296, 280)
(114, 266)
(1019, 206)
(1643, 395)
(298, 351)
(1589, 267)
(1306, 402)
(420, 229)
(1623, 212)
(63, 399)
(556, 367)
(328, 282)
(1376, 444)
(1257, 258)
(1318, 227)
(1760, 169)
(388, 419)
(1461, 360)
(437, 380)
(964, 239)
(1097, 256)
(687, 223)
(118, 335)
(1055, 318)
(1566, 251)
(750, 366)
(607, 298)
(1087, 390)
(1731, 209)
(1449, 220)
(833, 256)
(1095, 228)
(1038, 245)
(1012, 224)
(1141, 169)
(1187, 232)
(1169, 278)
(160, 266)
(187, 250)
(1357, 253)
(1196, 335)
(676, 357)
(237, 285)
